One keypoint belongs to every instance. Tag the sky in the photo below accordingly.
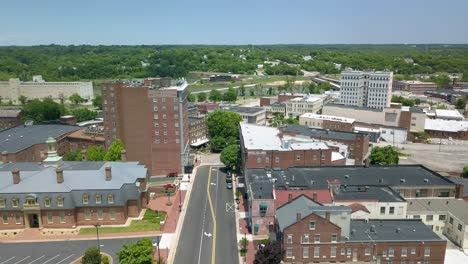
(135, 22)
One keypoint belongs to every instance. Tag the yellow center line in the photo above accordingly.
(213, 251)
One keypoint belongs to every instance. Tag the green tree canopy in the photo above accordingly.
(140, 252)
(384, 156)
(44, 110)
(97, 102)
(83, 114)
(76, 99)
(215, 96)
(442, 106)
(224, 124)
(95, 153)
(23, 99)
(465, 172)
(73, 155)
(92, 256)
(230, 95)
(114, 151)
(460, 103)
(403, 101)
(190, 97)
(271, 253)
(201, 97)
(230, 156)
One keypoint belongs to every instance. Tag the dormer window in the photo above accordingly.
(2, 202)
(98, 199)
(60, 201)
(14, 202)
(47, 202)
(85, 199)
(110, 198)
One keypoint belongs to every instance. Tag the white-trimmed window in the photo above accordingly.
(112, 214)
(50, 218)
(62, 217)
(404, 251)
(289, 241)
(317, 238)
(316, 252)
(47, 202)
(391, 252)
(305, 252)
(98, 199)
(100, 214)
(334, 238)
(2, 202)
(277, 159)
(312, 225)
(156, 116)
(367, 251)
(87, 214)
(343, 251)
(110, 198)
(289, 252)
(5, 219)
(60, 201)
(18, 219)
(305, 239)
(427, 252)
(413, 251)
(85, 199)
(14, 202)
(333, 252)
(155, 99)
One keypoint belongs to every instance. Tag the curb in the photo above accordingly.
(78, 238)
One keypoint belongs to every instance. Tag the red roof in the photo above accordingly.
(358, 207)
(281, 196)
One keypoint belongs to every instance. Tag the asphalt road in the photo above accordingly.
(209, 230)
(61, 252)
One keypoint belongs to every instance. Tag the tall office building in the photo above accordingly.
(366, 88)
(151, 118)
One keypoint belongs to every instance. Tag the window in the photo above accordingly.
(156, 132)
(451, 220)
(14, 202)
(2, 203)
(305, 239)
(177, 141)
(165, 132)
(98, 199)
(444, 193)
(334, 238)
(18, 219)
(155, 100)
(176, 108)
(267, 159)
(384, 253)
(87, 214)
(156, 116)
(382, 210)
(429, 217)
(85, 199)
(316, 252)
(164, 116)
(391, 252)
(259, 159)
(305, 252)
(155, 108)
(156, 124)
(289, 252)
(290, 237)
(110, 198)
(5, 219)
(165, 140)
(343, 251)
(315, 157)
(416, 217)
(263, 209)
(323, 156)
(62, 217)
(317, 238)
(298, 157)
(367, 251)
(157, 141)
(163, 99)
(50, 218)
(413, 251)
(460, 227)
(311, 225)
(164, 108)
(400, 210)
(427, 252)
(404, 251)
(442, 217)
(100, 214)
(277, 159)
(348, 251)
(392, 210)
(333, 252)
(176, 124)
(112, 214)
(176, 116)
(177, 132)
(60, 201)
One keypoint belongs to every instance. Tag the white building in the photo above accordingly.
(448, 114)
(366, 89)
(316, 121)
(40, 89)
(307, 104)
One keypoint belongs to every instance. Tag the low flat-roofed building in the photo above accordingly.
(335, 123)
(87, 136)
(307, 104)
(416, 87)
(444, 216)
(275, 107)
(448, 114)
(10, 117)
(251, 115)
(440, 128)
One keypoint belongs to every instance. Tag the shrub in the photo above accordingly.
(92, 256)
(105, 260)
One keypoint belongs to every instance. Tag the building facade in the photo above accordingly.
(416, 87)
(198, 131)
(327, 122)
(251, 115)
(10, 118)
(366, 89)
(152, 121)
(39, 89)
(307, 104)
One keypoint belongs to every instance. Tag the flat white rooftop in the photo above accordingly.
(446, 125)
(448, 114)
(328, 117)
(308, 99)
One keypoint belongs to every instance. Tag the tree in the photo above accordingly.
(442, 80)
(224, 124)
(95, 153)
(242, 90)
(230, 156)
(325, 86)
(61, 97)
(465, 172)
(92, 256)
(460, 103)
(201, 97)
(442, 106)
(417, 101)
(73, 155)
(230, 95)
(271, 253)
(44, 110)
(97, 102)
(22, 99)
(215, 96)
(83, 114)
(114, 151)
(76, 99)
(270, 91)
(384, 156)
(190, 97)
(312, 88)
(244, 244)
(140, 252)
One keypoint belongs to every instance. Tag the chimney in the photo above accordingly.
(16, 175)
(83, 155)
(4, 157)
(314, 196)
(290, 197)
(123, 155)
(459, 189)
(108, 173)
(298, 216)
(327, 216)
(367, 163)
(59, 172)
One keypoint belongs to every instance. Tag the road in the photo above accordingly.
(223, 89)
(61, 252)
(209, 230)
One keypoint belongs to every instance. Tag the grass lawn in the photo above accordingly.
(150, 222)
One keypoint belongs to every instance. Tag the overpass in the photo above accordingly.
(334, 85)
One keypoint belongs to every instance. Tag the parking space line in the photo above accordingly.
(49, 259)
(36, 259)
(8, 260)
(22, 259)
(65, 258)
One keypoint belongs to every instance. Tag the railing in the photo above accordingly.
(31, 206)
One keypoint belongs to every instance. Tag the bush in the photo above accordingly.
(92, 256)
(105, 260)
(465, 172)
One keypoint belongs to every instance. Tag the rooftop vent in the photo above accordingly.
(402, 180)
(398, 230)
(372, 228)
(381, 180)
(346, 176)
(426, 180)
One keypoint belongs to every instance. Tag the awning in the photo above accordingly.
(200, 142)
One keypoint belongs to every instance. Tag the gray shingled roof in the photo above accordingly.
(458, 208)
(320, 133)
(386, 231)
(18, 138)
(374, 193)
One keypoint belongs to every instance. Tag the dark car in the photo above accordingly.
(172, 174)
(229, 185)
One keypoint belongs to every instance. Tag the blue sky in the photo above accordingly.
(128, 22)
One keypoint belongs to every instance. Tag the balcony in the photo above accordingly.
(31, 206)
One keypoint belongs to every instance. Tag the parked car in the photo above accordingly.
(229, 185)
(172, 174)
(169, 186)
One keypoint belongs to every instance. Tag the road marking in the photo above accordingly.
(8, 260)
(230, 207)
(213, 183)
(36, 259)
(65, 258)
(49, 259)
(22, 259)
(207, 234)
(213, 248)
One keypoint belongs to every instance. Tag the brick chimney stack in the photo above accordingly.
(123, 155)
(59, 172)
(315, 196)
(4, 157)
(16, 175)
(108, 173)
(367, 163)
(290, 197)
(83, 155)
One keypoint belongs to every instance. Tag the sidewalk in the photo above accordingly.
(243, 230)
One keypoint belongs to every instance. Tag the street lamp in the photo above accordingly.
(157, 244)
(97, 235)
(180, 199)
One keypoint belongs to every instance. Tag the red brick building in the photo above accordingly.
(10, 117)
(151, 118)
(416, 87)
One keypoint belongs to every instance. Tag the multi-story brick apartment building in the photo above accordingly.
(10, 117)
(327, 122)
(407, 181)
(313, 233)
(198, 131)
(416, 87)
(57, 194)
(358, 143)
(263, 146)
(151, 119)
(26, 143)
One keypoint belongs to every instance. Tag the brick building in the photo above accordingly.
(88, 136)
(416, 87)
(334, 123)
(310, 232)
(198, 131)
(252, 115)
(439, 128)
(10, 118)
(151, 118)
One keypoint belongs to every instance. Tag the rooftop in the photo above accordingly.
(448, 113)
(457, 207)
(319, 133)
(18, 138)
(367, 193)
(243, 110)
(354, 107)
(416, 82)
(446, 125)
(5, 112)
(308, 98)
(282, 196)
(391, 230)
(461, 180)
(329, 117)
(194, 119)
